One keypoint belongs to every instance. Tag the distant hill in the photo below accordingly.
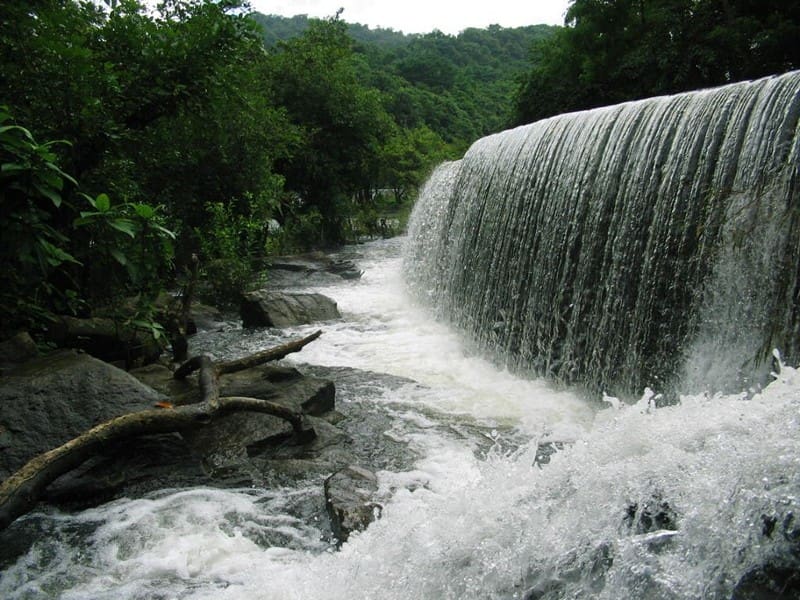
(277, 28)
(462, 87)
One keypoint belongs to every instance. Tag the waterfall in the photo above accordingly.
(652, 243)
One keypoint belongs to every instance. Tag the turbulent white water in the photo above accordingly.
(601, 247)
(462, 521)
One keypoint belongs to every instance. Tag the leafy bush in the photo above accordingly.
(56, 257)
(234, 241)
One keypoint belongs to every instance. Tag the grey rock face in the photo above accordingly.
(349, 497)
(264, 308)
(50, 400)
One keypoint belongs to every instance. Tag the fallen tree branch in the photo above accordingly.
(275, 353)
(22, 490)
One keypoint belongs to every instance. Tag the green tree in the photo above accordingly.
(342, 123)
(167, 109)
(408, 158)
(612, 51)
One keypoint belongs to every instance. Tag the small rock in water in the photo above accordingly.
(349, 497)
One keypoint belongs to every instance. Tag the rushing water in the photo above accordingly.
(601, 247)
(622, 247)
(639, 503)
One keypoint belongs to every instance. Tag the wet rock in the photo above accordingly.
(107, 339)
(203, 317)
(284, 385)
(51, 399)
(131, 468)
(264, 308)
(159, 377)
(349, 496)
(771, 582)
(225, 441)
(545, 450)
(346, 269)
(579, 571)
(17, 349)
(779, 578)
(48, 401)
(316, 262)
(655, 514)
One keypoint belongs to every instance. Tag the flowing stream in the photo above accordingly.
(640, 246)
(638, 502)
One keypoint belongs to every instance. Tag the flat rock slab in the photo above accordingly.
(265, 308)
(316, 262)
(224, 441)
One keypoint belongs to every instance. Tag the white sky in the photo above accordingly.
(423, 16)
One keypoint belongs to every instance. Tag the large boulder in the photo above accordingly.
(349, 498)
(265, 308)
(225, 442)
(107, 339)
(16, 349)
(51, 399)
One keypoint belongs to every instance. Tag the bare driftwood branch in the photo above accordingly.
(20, 492)
(275, 353)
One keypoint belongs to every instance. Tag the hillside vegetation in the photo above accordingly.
(132, 140)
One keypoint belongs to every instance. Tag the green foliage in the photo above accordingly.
(342, 123)
(461, 87)
(57, 258)
(234, 241)
(130, 235)
(175, 118)
(33, 250)
(407, 157)
(301, 230)
(628, 49)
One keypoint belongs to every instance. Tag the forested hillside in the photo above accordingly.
(621, 50)
(460, 86)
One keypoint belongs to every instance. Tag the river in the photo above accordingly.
(638, 502)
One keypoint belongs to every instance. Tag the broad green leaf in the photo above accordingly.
(53, 195)
(55, 255)
(61, 173)
(119, 256)
(13, 167)
(126, 226)
(102, 203)
(144, 210)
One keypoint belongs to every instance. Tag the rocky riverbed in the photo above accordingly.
(48, 400)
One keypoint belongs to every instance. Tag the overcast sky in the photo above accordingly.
(423, 16)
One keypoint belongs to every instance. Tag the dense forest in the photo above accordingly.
(616, 50)
(132, 140)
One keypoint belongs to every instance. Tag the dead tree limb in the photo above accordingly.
(275, 353)
(22, 490)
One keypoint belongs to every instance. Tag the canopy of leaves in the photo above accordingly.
(616, 50)
(460, 87)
